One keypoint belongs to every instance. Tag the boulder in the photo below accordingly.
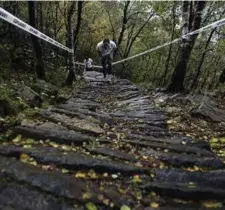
(43, 87)
(210, 112)
(29, 95)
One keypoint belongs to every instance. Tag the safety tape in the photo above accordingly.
(215, 24)
(218, 23)
(93, 66)
(20, 24)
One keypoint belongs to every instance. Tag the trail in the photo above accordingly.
(108, 145)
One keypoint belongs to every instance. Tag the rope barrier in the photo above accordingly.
(24, 26)
(20, 24)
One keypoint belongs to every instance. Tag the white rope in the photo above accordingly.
(218, 23)
(20, 24)
(24, 26)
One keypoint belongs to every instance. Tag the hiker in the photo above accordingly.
(88, 64)
(106, 49)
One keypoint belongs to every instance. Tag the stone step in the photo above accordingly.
(185, 160)
(54, 132)
(14, 196)
(112, 153)
(62, 186)
(171, 147)
(72, 123)
(71, 160)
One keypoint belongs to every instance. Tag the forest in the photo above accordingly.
(150, 137)
(195, 63)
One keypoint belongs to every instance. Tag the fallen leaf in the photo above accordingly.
(17, 139)
(212, 204)
(154, 205)
(53, 144)
(136, 179)
(86, 195)
(27, 146)
(125, 207)
(114, 176)
(29, 141)
(65, 170)
(24, 158)
(80, 175)
(91, 206)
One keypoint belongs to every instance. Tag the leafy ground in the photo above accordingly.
(179, 118)
(107, 146)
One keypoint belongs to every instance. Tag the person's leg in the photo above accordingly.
(109, 62)
(104, 60)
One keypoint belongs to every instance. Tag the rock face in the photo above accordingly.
(209, 112)
(105, 147)
(29, 95)
(5, 108)
(43, 87)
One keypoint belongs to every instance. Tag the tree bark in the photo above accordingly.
(177, 83)
(222, 77)
(70, 41)
(78, 24)
(170, 48)
(37, 47)
(198, 71)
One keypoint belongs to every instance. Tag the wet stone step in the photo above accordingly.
(185, 190)
(170, 147)
(71, 160)
(214, 179)
(72, 123)
(112, 153)
(53, 132)
(174, 139)
(16, 196)
(101, 116)
(60, 185)
(75, 114)
(185, 160)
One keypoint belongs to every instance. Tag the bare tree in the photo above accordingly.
(37, 47)
(70, 42)
(190, 22)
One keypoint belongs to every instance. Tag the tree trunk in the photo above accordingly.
(70, 41)
(177, 83)
(222, 77)
(37, 47)
(78, 24)
(198, 71)
(170, 48)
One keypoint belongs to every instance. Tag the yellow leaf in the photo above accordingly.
(34, 163)
(66, 147)
(17, 139)
(86, 195)
(169, 122)
(27, 146)
(29, 141)
(196, 168)
(24, 157)
(91, 206)
(213, 140)
(65, 170)
(53, 144)
(154, 205)
(125, 207)
(80, 175)
(212, 204)
(222, 140)
(136, 179)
